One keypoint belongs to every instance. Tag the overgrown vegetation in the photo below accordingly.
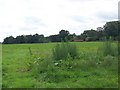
(43, 70)
(63, 50)
(63, 66)
(108, 47)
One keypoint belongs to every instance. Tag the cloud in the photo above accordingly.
(34, 21)
(81, 0)
(107, 16)
(79, 18)
(32, 24)
(28, 28)
(119, 10)
(48, 17)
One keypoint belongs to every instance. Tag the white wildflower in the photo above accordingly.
(56, 64)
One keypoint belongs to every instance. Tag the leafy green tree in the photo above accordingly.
(35, 38)
(63, 35)
(20, 39)
(111, 29)
(41, 39)
(54, 38)
(29, 39)
(90, 35)
(9, 40)
(70, 37)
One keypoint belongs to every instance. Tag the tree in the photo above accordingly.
(111, 29)
(20, 39)
(63, 35)
(29, 39)
(70, 37)
(35, 38)
(54, 38)
(41, 38)
(9, 40)
(90, 35)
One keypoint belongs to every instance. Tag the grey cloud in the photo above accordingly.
(34, 21)
(80, 0)
(28, 28)
(105, 16)
(119, 10)
(78, 18)
(6, 26)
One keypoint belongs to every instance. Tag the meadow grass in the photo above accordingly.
(63, 50)
(0, 66)
(22, 69)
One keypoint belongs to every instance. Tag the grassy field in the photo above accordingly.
(89, 70)
(0, 66)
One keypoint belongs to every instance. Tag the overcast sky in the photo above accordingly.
(48, 17)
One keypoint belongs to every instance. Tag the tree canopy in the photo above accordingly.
(110, 29)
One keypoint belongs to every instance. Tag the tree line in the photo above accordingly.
(109, 30)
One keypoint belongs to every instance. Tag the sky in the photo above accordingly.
(48, 17)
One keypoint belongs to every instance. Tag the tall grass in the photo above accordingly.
(44, 72)
(108, 48)
(63, 50)
(108, 55)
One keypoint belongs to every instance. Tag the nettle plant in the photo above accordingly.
(64, 50)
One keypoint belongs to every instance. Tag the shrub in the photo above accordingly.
(61, 51)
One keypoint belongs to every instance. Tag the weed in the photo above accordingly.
(61, 51)
(30, 51)
(82, 72)
(108, 48)
(109, 61)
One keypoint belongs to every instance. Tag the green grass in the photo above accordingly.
(20, 72)
(64, 50)
(0, 66)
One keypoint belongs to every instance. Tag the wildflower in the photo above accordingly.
(56, 64)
